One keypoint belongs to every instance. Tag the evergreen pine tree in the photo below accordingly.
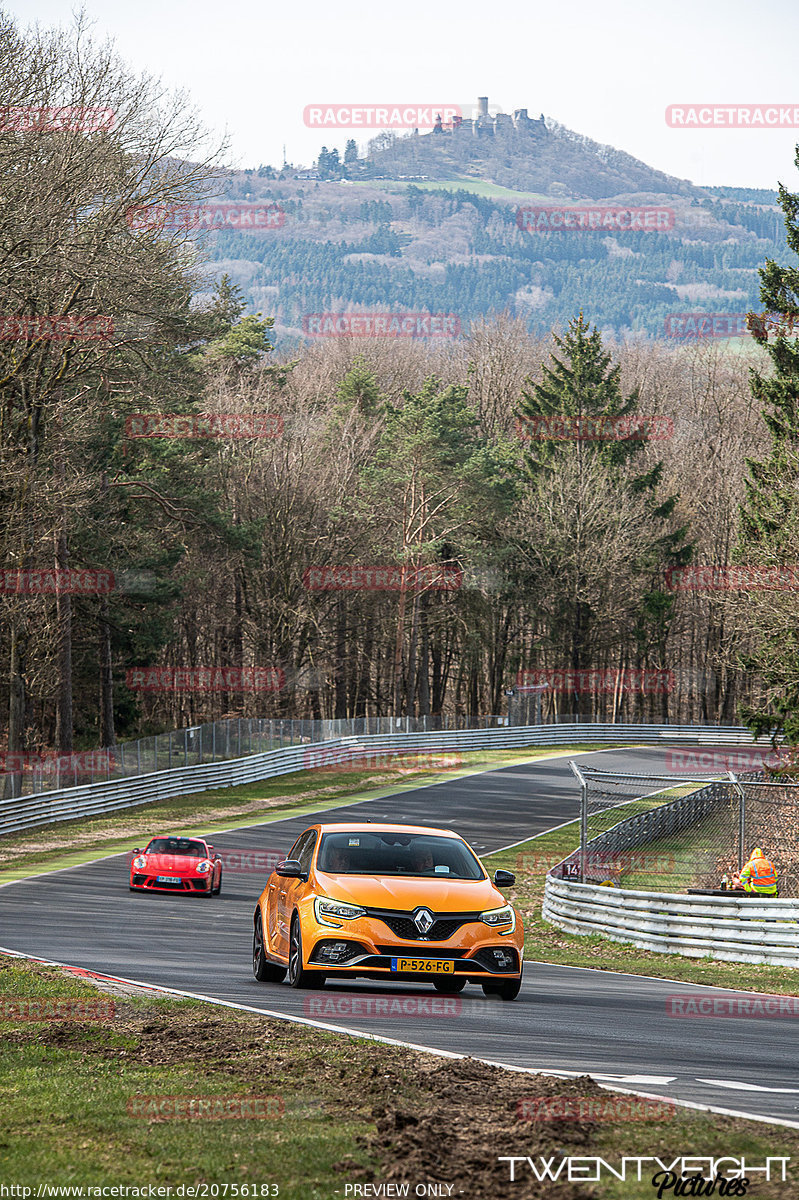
(769, 528)
(584, 435)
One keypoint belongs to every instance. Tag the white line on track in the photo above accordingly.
(747, 1087)
(389, 1041)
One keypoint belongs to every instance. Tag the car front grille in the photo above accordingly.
(422, 951)
(402, 924)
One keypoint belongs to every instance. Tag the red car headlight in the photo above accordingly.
(203, 867)
(140, 863)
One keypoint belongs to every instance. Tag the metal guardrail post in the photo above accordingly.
(741, 817)
(583, 815)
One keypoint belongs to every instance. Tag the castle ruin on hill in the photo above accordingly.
(486, 125)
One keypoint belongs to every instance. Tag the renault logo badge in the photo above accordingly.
(423, 920)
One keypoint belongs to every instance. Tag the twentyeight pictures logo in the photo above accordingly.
(380, 116)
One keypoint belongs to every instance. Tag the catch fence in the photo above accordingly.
(666, 833)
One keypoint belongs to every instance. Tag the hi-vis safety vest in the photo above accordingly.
(759, 876)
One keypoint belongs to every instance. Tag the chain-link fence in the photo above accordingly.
(671, 833)
(216, 741)
(771, 821)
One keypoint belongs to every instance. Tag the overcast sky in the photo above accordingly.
(607, 70)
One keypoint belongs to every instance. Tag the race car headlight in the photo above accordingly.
(330, 912)
(140, 863)
(500, 918)
(203, 867)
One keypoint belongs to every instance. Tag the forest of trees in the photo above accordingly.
(453, 250)
(377, 527)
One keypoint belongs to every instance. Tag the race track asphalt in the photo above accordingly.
(612, 1026)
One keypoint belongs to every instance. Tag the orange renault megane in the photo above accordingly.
(397, 902)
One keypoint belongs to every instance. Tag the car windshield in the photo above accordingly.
(177, 846)
(364, 852)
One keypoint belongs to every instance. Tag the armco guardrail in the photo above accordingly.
(90, 799)
(738, 930)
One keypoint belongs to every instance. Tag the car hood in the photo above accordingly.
(439, 895)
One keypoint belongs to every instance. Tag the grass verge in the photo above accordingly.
(480, 187)
(91, 1103)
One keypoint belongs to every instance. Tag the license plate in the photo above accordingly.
(168, 879)
(430, 966)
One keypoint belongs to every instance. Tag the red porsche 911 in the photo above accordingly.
(177, 864)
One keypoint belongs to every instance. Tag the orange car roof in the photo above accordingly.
(380, 827)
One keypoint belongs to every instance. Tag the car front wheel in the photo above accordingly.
(262, 969)
(508, 990)
(298, 977)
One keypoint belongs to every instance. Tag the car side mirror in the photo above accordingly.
(136, 850)
(504, 878)
(290, 869)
